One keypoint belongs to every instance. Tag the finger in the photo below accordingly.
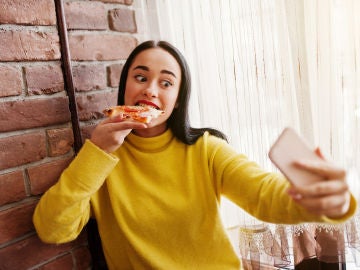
(327, 205)
(322, 168)
(334, 206)
(320, 189)
(319, 153)
(338, 212)
(333, 212)
(114, 119)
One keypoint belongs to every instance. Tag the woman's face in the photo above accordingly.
(154, 80)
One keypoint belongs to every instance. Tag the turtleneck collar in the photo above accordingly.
(150, 144)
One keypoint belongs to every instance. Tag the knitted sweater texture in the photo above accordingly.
(156, 202)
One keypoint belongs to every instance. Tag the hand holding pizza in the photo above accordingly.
(111, 132)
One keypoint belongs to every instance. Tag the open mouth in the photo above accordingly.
(146, 103)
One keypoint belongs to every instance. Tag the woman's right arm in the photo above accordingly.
(64, 209)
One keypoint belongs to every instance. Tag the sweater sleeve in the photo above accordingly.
(64, 209)
(260, 193)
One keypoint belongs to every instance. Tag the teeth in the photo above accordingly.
(146, 105)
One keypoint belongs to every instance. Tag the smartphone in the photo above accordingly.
(288, 148)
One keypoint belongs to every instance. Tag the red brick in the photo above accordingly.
(60, 141)
(28, 45)
(43, 176)
(100, 47)
(30, 113)
(44, 79)
(30, 252)
(91, 106)
(64, 262)
(114, 72)
(32, 12)
(86, 15)
(122, 20)
(12, 187)
(11, 81)
(89, 77)
(126, 2)
(82, 258)
(22, 149)
(17, 221)
(86, 131)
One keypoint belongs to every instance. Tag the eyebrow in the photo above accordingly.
(164, 71)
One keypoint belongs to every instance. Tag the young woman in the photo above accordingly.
(154, 189)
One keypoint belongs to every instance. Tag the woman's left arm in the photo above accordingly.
(265, 195)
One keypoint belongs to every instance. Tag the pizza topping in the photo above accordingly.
(143, 114)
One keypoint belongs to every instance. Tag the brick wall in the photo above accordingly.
(36, 140)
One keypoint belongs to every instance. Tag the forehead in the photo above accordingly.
(157, 59)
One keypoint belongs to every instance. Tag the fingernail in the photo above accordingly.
(293, 194)
(296, 196)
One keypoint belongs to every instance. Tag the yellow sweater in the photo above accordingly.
(156, 202)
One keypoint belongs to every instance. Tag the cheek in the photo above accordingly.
(174, 98)
(130, 92)
(171, 104)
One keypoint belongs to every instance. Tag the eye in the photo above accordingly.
(140, 78)
(166, 83)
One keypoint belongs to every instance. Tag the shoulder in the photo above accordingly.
(209, 138)
(215, 144)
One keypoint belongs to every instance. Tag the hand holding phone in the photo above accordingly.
(288, 148)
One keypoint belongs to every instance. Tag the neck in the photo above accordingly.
(151, 131)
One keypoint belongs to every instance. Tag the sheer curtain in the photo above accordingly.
(258, 66)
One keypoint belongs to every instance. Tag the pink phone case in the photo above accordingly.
(290, 147)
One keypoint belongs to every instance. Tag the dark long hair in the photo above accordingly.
(178, 121)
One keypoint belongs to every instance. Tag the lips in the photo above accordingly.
(147, 103)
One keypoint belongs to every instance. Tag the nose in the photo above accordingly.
(150, 91)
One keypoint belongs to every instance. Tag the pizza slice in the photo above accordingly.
(143, 114)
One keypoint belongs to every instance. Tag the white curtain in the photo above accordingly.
(258, 66)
